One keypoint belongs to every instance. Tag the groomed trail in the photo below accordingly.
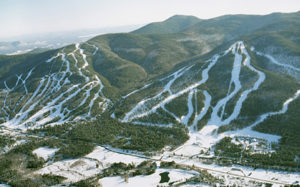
(141, 109)
(236, 91)
(49, 103)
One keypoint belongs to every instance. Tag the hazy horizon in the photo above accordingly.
(20, 17)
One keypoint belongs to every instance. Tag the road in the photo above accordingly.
(202, 168)
(20, 134)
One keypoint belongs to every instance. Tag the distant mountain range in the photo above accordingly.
(46, 41)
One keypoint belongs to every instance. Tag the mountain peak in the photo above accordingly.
(180, 16)
(173, 24)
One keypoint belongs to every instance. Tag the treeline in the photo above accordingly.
(282, 159)
(128, 136)
(77, 140)
(121, 135)
(226, 148)
(5, 140)
(21, 159)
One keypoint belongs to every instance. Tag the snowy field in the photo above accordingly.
(239, 172)
(90, 165)
(152, 180)
(45, 152)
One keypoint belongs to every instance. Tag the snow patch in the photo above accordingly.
(45, 152)
(175, 175)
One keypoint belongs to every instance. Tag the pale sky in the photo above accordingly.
(18, 17)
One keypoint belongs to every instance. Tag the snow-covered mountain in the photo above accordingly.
(230, 83)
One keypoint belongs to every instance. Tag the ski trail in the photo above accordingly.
(101, 86)
(24, 81)
(175, 75)
(87, 95)
(18, 80)
(244, 95)
(152, 124)
(79, 69)
(45, 88)
(100, 92)
(64, 73)
(59, 110)
(185, 119)
(87, 79)
(234, 76)
(274, 61)
(22, 114)
(141, 104)
(81, 51)
(137, 90)
(41, 95)
(96, 96)
(271, 138)
(52, 58)
(133, 114)
(92, 45)
(4, 103)
(196, 103)
(106, 101)
(58, 81)
(171, 113)
(57, 106)
(50, 92)
(67, 63)
(48, 107)
(202, 113)
(18, 102)
(215, 118)
(9, 90)
(76, 61)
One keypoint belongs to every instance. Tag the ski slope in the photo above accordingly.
(50, 102)
(215, 114)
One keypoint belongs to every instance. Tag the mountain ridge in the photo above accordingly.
(208, 92)
(173, 24)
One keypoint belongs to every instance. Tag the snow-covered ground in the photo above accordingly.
(175, 175)
(249, 132)
(135, 91)
(240, 172)
(73, 169)
(45, 152)
(107, 157)
(199, 141)
(90, 165)
(274, 61)
(4, 185)
(53, 110)
(207, 137)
